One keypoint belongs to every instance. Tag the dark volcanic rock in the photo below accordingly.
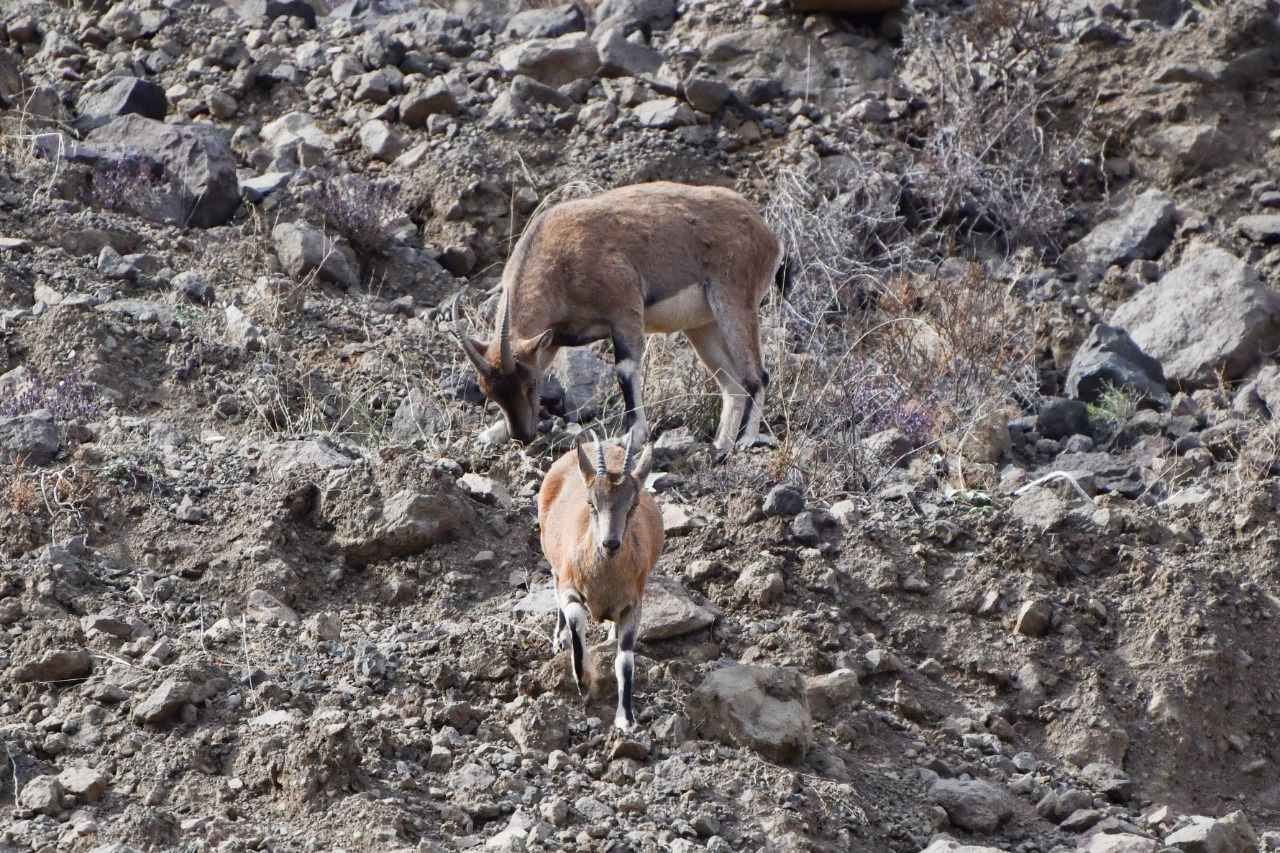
(118, 96)
(198, 185)
(1110, 357)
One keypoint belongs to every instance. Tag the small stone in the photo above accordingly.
(42, 795)
(222, 105)
(194, 286)
(420, 104)
(1260, 228)
(835, 693)
(664, 113)
(58, 665)
(783, 500)
(264, 608)
(706, 94)
(324, 626)
(374, 88)
(86, 783)
(486, 490)
(679, 520)
(1034, 618)
(164, 703)
(1061, 418)
(381, 141)
(440, 760)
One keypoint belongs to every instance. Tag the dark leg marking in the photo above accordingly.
(626, 380)
(577, 653)
(627, 644)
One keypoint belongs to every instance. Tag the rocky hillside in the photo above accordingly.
(1001, 574)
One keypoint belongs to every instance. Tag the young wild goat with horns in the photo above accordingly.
(602, 533)
(647, 258)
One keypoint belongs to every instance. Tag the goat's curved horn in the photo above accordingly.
(472, 351)
(601, 468)
(629, 456)
(504, 337)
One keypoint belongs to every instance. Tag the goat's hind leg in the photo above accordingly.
(712, 350)
(624, 667)
(575, 617)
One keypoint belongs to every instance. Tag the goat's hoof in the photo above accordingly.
(622, 724)
(720, 455)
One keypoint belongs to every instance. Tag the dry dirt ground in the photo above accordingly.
(266, 590)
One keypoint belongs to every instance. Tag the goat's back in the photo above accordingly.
(641, 244)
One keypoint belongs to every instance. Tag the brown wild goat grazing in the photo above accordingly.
(641, 259)
(602, 533)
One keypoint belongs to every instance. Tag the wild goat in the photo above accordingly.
(602, 533)
(647, 258)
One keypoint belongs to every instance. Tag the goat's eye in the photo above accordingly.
(592, 507)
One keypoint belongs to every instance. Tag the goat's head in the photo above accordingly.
(612, 497)
(509, 372)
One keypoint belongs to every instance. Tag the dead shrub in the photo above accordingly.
(22, 495)
(873, 337)
(362, 211)
(993, 160)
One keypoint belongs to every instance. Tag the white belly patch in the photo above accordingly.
(687, 309)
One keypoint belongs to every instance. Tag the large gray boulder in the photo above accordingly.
(1140, 230)
(636, 14)
(29, 439)
(1110, 357)
(760, 707)
(585, 377)
(1211, 317)
(972, 804)
(550, 22)
(411, 522)
(554, 62)
(1229, 834)
(268, 10)
(948, 845)
(1122, 842)
(621, 57)
(198, 183)
(1194, 149)
(109, 97)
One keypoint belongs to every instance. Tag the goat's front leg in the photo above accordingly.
(624, 667)
(557, 639)
(628, 354)
(575, 616)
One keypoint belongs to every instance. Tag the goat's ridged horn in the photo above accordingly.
(455, 326)
(504, 336)
(601, 468)
(629, 457)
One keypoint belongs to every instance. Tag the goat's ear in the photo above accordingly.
(641, 469)
(528, 348)
(475, 351)
(586, 467)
